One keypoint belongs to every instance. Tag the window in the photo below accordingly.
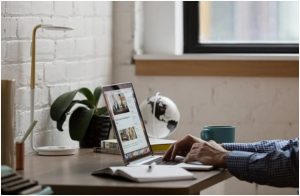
(241, 27)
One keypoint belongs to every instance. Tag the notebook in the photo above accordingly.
(147, 173)
(130, 130)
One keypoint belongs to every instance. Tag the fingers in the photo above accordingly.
(168, 154)
(181, 147)
(194, 139)
(189, 158)
(209, 153)
(175, 151)
(194, 153)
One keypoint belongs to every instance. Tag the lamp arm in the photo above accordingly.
(32, 76)
(32, 83)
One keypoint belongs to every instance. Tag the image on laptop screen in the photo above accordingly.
(130, 130)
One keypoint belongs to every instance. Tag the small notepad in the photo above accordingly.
(145, 173)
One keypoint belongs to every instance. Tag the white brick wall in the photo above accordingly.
(9, 27)
(42, 8)
(65, 60)
(25, 26)
(17, 51)
(65, 49)
(63, 8)
(19, 8)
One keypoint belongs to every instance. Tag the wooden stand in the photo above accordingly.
(19, 156)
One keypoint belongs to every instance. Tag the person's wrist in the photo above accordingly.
(222, 159)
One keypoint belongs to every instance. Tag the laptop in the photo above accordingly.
(131, 132)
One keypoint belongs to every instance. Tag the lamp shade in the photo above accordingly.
(56, 28)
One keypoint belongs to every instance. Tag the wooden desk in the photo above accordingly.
(72, 175)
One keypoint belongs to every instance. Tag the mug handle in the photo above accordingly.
(204, 134)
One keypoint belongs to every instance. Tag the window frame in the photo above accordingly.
(191, 36)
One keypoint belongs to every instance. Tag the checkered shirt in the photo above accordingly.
(269, 162)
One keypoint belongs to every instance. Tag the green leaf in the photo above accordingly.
(88, 94)
(79, 122)
(61, 104)
(62, 119)
(60, 122)
(97, 94)
(65, 102)
(86, 103)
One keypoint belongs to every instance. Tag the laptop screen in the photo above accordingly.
(127, 120)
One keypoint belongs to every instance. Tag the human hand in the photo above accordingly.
(181, 147)
(208, 153)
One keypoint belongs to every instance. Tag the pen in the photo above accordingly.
(150, 167)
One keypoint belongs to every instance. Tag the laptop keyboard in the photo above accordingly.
(160, 161)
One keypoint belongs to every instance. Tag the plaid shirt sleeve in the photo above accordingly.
(261, 146)
(273, 162)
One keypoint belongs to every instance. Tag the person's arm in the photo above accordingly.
(276, 168)
(261, 146)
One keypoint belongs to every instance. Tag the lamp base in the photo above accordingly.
(56, 150)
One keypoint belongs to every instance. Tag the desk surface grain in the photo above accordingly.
(72, 175)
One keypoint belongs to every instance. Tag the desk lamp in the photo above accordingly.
(44, 150)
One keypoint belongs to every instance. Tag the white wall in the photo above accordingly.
(259, 107)
(157, 23)
(65, 61)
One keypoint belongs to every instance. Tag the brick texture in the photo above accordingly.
(64, 60)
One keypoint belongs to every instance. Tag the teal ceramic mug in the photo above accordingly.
(220, 134)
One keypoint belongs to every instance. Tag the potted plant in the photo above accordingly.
(88, 124)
